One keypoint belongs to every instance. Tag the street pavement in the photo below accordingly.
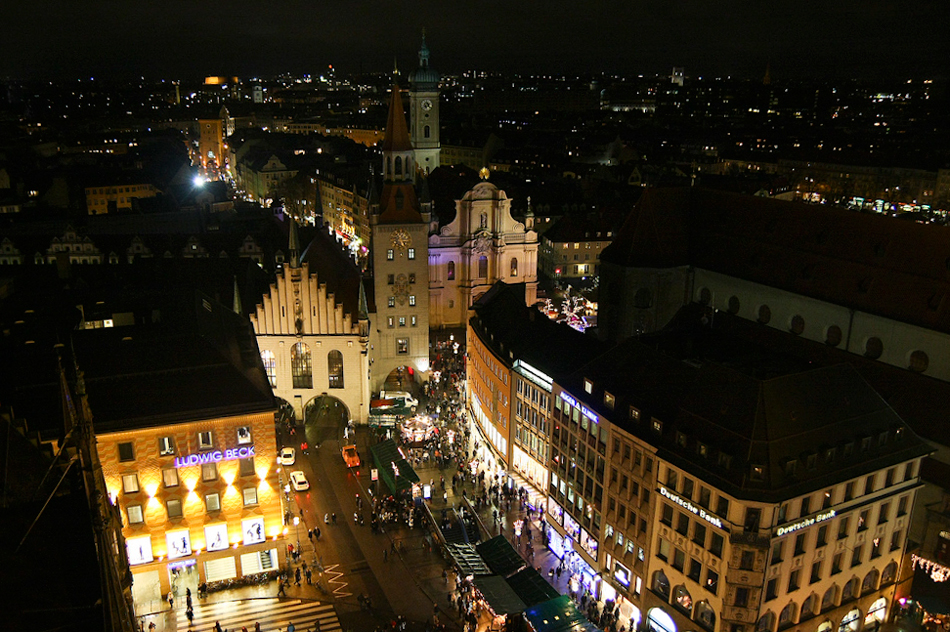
(271, 614)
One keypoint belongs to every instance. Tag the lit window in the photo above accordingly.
(204, 441)
(130, 483)
(250, 496)
(411, 253)
(244, 435)
(588, 386)
(213, 502)
(170, 477)
(166, 446)
(209, 471)
(390, 255)
(135, 514)
(174, 508)
(402, 346)
(412, 300)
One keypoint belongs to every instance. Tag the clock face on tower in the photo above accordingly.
(401, 239)
(426, 105)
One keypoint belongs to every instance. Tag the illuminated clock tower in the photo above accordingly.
(424, 112)
(400, 254)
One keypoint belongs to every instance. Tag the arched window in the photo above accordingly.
(483, 267)
(870, 582)
(850, 590)
(705, 615)
(765, 314)
(335, 368)
(733, 307)
(514, 266)
(426, 132)
(451, 271)
(661, 584)
(398, 165)
(919, 361)
(643, 299)
(851, 621)
(787, 616)
(829, 598)
(810, 606)
(270, 366)
(889, 574)
(301, 365)
(833, 336)
(873, 348)
(705, 296)
(876, 613)
(683, 600)
(766, 621)
(389, 166)
(797, 325)
(659, 621)
(825, 626)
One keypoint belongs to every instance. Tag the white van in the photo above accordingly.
(408, 399)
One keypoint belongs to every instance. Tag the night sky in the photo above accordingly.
(193, 38)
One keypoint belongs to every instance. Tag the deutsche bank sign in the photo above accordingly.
(807, 522)
(215, 456)
(685, 504)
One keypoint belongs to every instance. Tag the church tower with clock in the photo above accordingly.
(424, 113)
(400, 254)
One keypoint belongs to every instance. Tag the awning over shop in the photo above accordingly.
(558, 615)
(932, 595)
(531, 587)
(394, 470)
(499, 595)
(501, 557)
(467, 559)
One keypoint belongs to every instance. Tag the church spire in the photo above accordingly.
(293, 246)
(397, 148)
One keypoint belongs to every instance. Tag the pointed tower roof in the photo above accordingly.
(294, 244)
(236, 305)
(397, 132)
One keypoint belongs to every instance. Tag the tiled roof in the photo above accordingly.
(876, 264)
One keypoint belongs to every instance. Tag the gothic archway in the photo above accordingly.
(325, 417)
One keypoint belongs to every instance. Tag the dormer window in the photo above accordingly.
(830, 454)
(882, 438)
(811, 461)
(791, 467)
(681, 439)
(588, 386)
(757, 473)
(725, 460)
(865, 444)
(609, 400)
(657, 426)
(634, 414)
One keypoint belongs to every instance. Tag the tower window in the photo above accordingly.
(426, 132)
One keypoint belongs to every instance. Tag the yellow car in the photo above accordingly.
(350, 456)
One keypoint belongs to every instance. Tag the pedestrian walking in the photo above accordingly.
(309, 574)
(310, 534)
(171, 599)
(191, 616)
(316, 533)
(445, 576)
(217, 626)
(297, 576)
(281, 588)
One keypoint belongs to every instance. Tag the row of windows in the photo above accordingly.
(166, 445)
(391, 254)
(831, 599)
(917, 360)
(170, 479)
(392, 320)
(532, 394)
(301, 365)
(173, 507)
(682, 600)
(412, 301)
(839, 562)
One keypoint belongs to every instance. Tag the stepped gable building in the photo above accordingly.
(758, 493)
(481, 245)
(312, 328)
(400, 227)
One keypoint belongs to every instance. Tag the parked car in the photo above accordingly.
(288, 456)
(299, 481)
(407, 399)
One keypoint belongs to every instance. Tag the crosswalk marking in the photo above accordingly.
(272, 614)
